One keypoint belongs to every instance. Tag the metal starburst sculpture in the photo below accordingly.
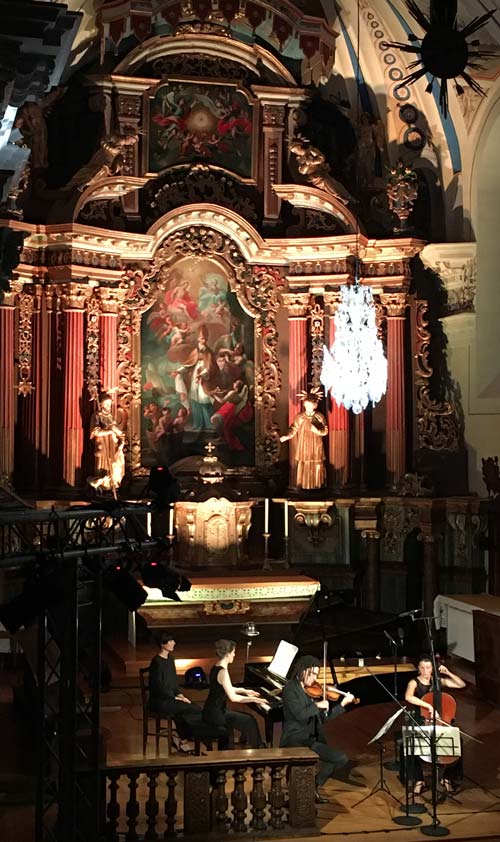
(444, 52)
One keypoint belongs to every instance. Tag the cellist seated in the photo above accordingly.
(418, 693)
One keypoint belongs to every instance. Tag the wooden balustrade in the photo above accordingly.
(223, 792)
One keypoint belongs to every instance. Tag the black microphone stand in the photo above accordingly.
(436, 828)
(407, 820)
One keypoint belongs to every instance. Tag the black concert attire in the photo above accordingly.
(163, 688)
(215, 713)
(453, 772)
(303, 727)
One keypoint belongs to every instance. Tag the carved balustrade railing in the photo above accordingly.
(220, 794)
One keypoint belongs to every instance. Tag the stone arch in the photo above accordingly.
(214, 46)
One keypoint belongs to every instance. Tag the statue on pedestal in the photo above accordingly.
(109, 441)
(309, 426)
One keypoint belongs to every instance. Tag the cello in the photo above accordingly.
(444, 710)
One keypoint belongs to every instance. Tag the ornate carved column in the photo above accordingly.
(395, 307)
(337, 416)
(298, 305)
(8, 397)
(48, 391)
(129, 118)
(73, 300)
(274, 117)
(111, 301)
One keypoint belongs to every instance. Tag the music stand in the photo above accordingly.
(381, 785)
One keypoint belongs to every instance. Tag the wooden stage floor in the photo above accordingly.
(475, 817)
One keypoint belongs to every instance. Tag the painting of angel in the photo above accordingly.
(197, 368)
(201, 122)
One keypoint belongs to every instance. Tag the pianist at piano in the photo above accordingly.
(303, 719)
(222, 691)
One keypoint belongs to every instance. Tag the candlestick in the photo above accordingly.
(149, 524)
(171, 520)
(286, 518)
(266, 515)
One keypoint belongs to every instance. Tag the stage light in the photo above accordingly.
(124, 586)
(168, 581)
(195, 678)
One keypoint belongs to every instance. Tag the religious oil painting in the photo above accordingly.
(212, 124)
(197, 349)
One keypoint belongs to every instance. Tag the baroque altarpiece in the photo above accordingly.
(196, 217)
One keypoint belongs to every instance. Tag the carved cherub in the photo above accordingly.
(311, 163)
(107, 161)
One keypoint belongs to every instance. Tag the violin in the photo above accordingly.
(317, 691)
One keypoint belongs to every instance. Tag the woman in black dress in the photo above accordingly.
(215, 712)
(417, 688)
(165, 696)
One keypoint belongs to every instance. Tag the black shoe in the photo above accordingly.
(320, 799)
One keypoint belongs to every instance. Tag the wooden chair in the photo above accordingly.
(148, 715)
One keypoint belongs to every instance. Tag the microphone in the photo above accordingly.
(390, 639)
(401, 635)
(411, 614)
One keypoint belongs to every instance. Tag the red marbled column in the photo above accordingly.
(45, 376)
(338, 427)
(297, 361)
(108, 328)
(395, 401)
(7, 386)
(73, 395)
(28, 418)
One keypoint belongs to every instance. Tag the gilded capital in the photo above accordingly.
(332, 301)
(371, 534)
(297, 303)
(274, 115)
(395, 304)
(111, 299)
(74, 296)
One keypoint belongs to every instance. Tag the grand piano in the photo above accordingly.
(367, 679)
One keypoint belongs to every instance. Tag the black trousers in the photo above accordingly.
(246, 724)
(183, 714)
(332, 760)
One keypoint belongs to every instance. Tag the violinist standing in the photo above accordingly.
(303, 720)
(416, 689)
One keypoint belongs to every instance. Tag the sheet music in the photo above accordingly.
(283, 657)
(417, 740)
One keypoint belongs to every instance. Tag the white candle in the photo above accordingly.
(148, 523)
(171, 520)
(266, 515)
(286, 518)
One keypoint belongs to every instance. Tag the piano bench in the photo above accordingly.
(207, 734)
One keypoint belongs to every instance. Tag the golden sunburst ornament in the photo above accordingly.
(444, 51)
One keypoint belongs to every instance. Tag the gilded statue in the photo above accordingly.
(309, 426)
(107, 161)
(109, 442)
(312, 165)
